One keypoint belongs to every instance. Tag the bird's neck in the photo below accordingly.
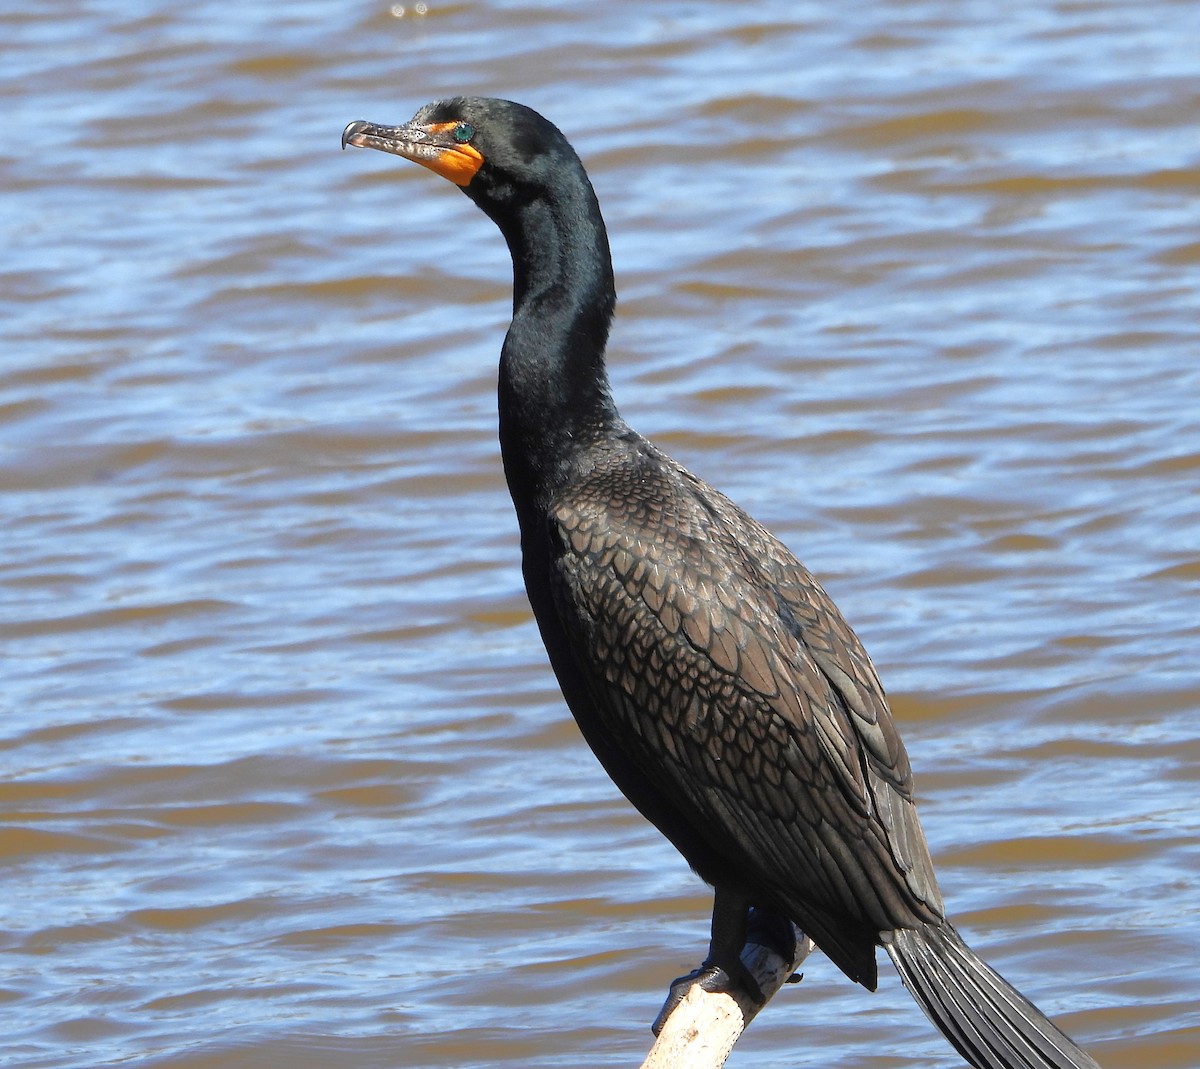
(553, 390)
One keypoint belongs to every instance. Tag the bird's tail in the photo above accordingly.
(990, 1023)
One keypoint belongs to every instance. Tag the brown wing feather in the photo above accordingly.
(723, 669)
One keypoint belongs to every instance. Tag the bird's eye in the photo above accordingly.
(463, 132)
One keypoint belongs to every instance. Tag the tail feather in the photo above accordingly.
(989, 1022)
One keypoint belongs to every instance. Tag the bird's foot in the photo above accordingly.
(707, 978)
(712, 978)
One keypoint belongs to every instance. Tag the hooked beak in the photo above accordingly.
(430, 145)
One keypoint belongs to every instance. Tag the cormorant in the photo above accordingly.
(713, 677)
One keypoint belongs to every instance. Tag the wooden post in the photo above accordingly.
(703, 1027)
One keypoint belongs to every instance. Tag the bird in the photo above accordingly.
(708, 670)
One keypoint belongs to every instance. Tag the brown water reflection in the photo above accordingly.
(285, 777)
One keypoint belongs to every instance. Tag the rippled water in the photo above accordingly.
(285, 776)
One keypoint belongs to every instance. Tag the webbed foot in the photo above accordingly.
(711, 978)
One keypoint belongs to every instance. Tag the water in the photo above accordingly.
(285, 776)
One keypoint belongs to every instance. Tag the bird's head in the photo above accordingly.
(496, 151)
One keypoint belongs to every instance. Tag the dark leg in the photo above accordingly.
(774, 931)
(730, 913)
(722, 969)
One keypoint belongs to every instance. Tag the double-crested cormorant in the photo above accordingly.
(711, 674)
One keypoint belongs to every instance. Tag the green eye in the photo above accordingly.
(463, 132)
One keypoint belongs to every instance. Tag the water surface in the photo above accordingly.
(285, 778)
